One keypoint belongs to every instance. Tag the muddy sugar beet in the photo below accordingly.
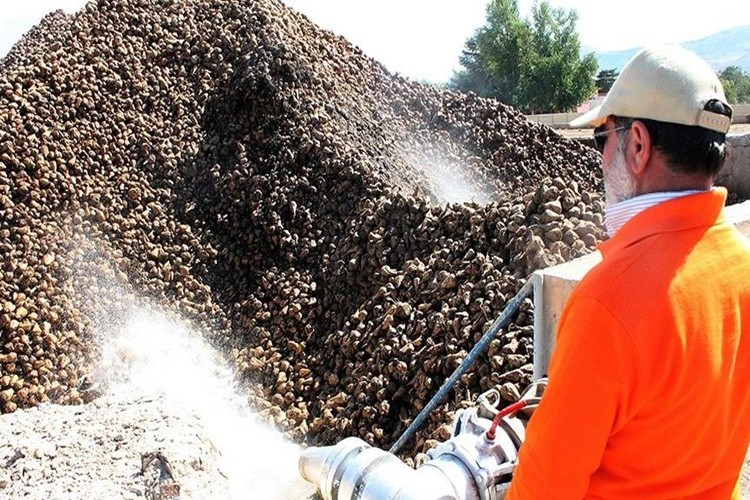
(267, 181)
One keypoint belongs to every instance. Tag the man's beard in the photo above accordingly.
(619, 184)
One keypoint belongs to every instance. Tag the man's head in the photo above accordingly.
(671, 102)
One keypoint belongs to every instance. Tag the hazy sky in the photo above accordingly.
(422, 39)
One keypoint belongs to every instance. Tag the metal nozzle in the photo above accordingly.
(318, 465)
(353, 469)
(311, 464)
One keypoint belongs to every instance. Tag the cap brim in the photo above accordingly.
(592, 118)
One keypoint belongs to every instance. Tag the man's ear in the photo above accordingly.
(638, 151)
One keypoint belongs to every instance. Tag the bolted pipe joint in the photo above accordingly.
(470, 465)
(352, 469)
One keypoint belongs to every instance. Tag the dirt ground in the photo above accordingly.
(135, 446)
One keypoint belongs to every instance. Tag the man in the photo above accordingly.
(649, 384)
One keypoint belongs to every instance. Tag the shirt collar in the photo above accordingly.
(615, 216)
(685, 212)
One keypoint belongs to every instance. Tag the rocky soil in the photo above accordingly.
(341, 235)
(134, 447)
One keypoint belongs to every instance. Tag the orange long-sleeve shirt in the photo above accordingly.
(649, 383)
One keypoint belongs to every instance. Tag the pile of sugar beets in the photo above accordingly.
(342, 234)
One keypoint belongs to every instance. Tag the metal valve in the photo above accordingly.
(475, 463)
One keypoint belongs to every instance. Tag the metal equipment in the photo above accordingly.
(476, 462)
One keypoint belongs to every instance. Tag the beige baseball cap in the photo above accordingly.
(665, 83)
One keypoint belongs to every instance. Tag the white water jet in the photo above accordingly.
(152, 355)
(444, 177)
(450, 187)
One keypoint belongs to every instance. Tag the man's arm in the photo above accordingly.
(592, 378)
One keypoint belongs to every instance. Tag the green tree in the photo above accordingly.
(605, 79)
(736, 84)
(534, 65)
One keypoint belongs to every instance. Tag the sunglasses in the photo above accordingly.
(601, 133)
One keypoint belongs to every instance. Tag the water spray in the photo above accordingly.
(149, 355)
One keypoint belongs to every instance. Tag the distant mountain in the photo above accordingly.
(726, 48)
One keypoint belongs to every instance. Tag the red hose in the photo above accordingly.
(508, 410)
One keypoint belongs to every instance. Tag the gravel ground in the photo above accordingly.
(97, 451)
